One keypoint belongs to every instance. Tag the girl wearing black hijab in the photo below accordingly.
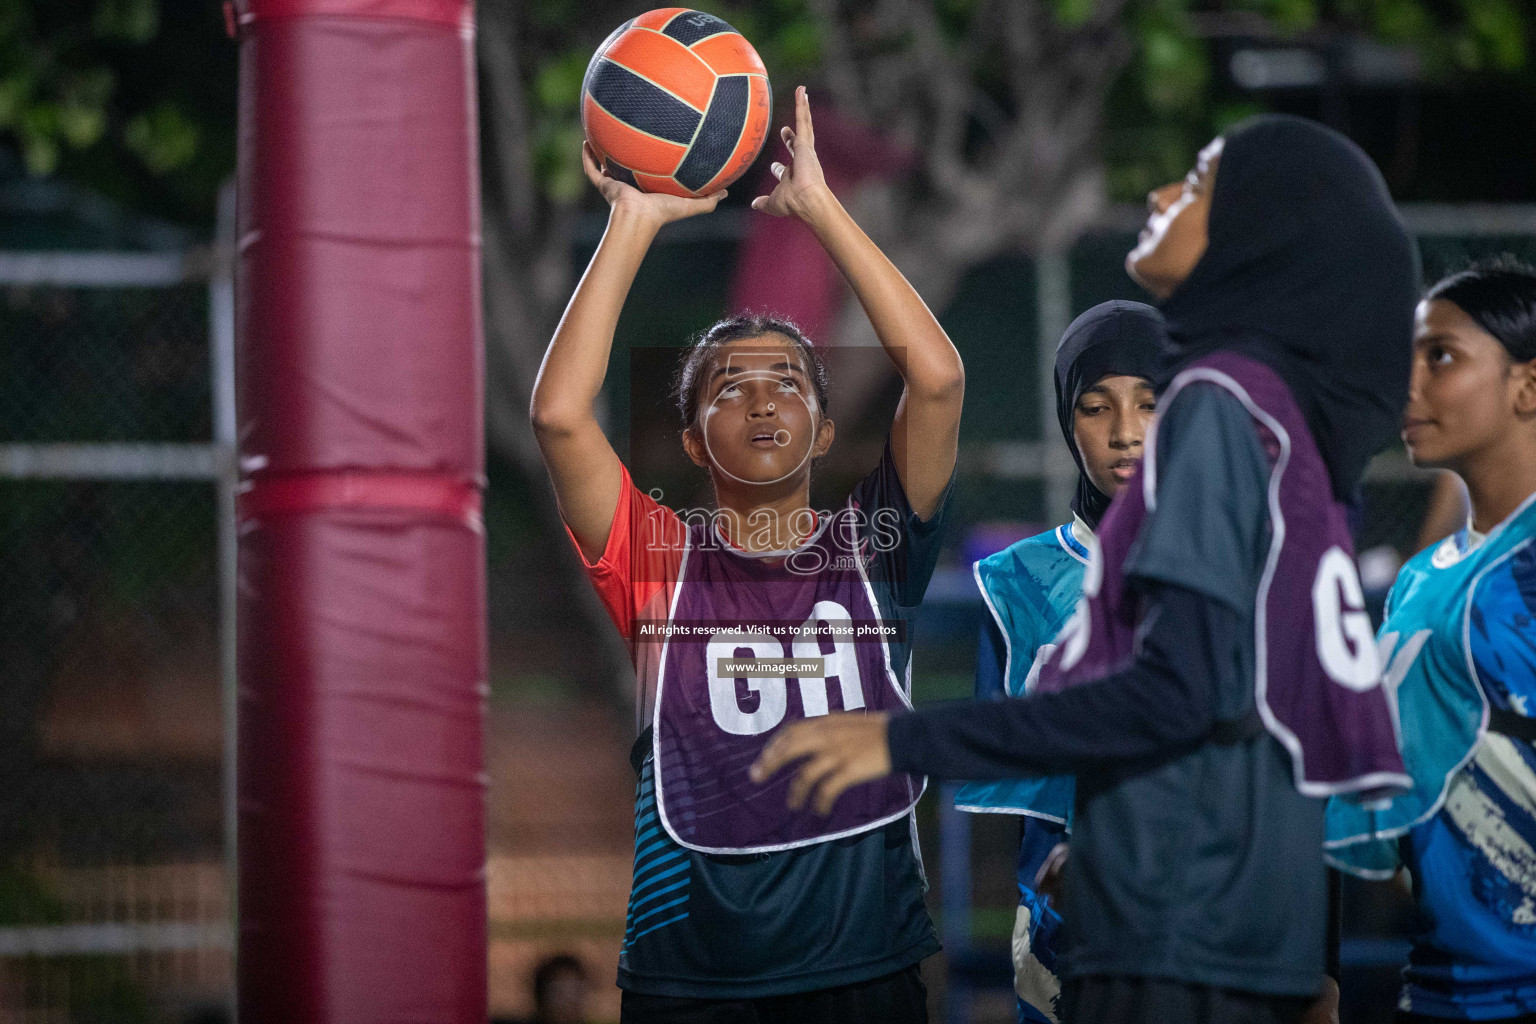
(1104, 403)
(1219, 677)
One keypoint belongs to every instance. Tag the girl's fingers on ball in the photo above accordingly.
(589, 163)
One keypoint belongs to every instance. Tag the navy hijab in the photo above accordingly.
(1308, 270)
(1111, 338)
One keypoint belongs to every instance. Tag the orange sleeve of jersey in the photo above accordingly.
(639, 566)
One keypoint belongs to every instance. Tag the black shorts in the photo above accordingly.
(1114, 999)
(899, 998)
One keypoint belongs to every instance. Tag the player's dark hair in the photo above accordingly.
(1500, 296)
(701, 356)
(548, 968)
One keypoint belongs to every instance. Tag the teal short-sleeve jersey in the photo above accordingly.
(1459, 647)
(1030, 590)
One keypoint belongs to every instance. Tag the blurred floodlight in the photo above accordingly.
(1356, 61)
(1291, 68)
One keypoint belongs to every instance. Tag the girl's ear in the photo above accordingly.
(824, 435)
(1525, 388)
(693, 444)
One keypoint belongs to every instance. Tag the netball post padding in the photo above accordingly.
(361, 619)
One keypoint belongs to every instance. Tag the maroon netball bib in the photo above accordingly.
(753, 644)
(1317, 677)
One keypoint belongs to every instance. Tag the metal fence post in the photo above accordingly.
(1053, 312)
(955, 899)
(221, 342)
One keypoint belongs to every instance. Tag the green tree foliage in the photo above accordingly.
(1163, 109)
(134, 98)
(1162, 106)
(56, 89)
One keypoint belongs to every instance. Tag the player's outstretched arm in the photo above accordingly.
(582, 464)
(926, 432)
(1164, 701)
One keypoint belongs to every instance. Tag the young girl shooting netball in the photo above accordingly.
(747, 619)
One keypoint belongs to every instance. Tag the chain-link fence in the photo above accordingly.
(114, 894)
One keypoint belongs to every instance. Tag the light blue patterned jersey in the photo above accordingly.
(1457, 642)
(1030, 589)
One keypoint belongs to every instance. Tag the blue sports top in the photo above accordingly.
(1030, 589)
(1458, 643)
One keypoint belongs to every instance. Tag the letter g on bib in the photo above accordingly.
(724, 701)
(1346, 643)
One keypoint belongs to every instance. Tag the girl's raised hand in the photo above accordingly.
(801, 183)
(657, 207)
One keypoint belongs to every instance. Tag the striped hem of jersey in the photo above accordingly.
(660, 924)
(652, 876)
(661, 871)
